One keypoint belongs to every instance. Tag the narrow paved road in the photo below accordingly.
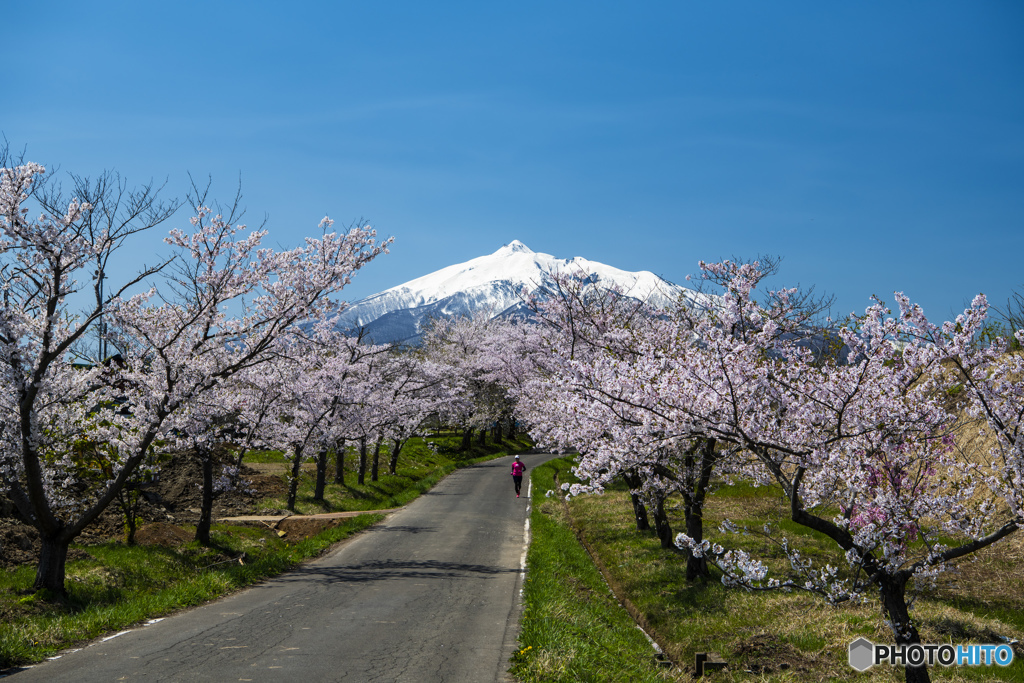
(431, 594)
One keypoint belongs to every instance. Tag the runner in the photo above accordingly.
(517, 474)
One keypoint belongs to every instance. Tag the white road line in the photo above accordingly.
(526, 530)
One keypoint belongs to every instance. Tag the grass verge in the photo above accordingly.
(573, 628)
(766, 636)
(112, 586)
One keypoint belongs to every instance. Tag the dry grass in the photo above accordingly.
(792, 637)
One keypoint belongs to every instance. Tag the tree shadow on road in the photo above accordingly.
(386, 570)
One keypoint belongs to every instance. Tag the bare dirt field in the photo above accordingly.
(169, 503)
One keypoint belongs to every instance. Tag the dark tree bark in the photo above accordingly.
(466, 438)
(695, 566)
(661, 524)
(241, 454)
(293, 480)
(639, 509)
(692, 477)
(56, 535)
(396, 448)
(339, 463)
(52, 557)
(894, 604)
(130, 499)
(362, 460)
(321, 475)
(694, 496)
(375, 465)
(206, 508)
(483, 436)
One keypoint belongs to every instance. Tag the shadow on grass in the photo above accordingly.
(707, 595)
(323, 503)
(360, 494)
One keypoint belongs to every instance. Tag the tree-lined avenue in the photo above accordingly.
(430, 594)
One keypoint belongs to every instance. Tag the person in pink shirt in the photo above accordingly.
(517, 474)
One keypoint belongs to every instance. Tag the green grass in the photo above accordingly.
(265, 457)
(112, 586)
(573, 628)
(115, 586)
(422, 463)
(757, 633)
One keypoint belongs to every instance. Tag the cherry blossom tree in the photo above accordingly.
(412, 390)
(196, 430)
(218, 309)
(613, 397)
(873, 437)
(991, 377)
(465, 347)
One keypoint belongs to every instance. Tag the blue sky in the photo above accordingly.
(874, 146)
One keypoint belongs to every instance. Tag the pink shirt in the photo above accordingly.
(518, 468)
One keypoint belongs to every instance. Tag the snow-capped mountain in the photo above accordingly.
(497, 283)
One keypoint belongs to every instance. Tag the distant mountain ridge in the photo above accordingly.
(497, 282)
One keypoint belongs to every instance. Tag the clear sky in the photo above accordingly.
(875, 146)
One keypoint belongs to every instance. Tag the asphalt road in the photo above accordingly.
(431, 594)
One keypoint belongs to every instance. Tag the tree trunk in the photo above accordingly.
(362, 460)
(131, 525)
(639, 509)
(128, 500)
(483, 436)
(375, 466)
(321, 475)
(695, 566)
(694, 504)
(396, 448)
(511, 428)
(894, 605)
(241, 454)
(52, 558)
(293, 481)
(206, 507)
(339, 463)
(661, 525)
(466, 437)
(497, 432)
(891, 588)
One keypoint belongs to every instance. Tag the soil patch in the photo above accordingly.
(171, 501)
(766, 654)
(19, 543)
(177, 489)
(162, 533)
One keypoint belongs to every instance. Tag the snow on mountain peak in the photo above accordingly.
(497, 283)
(514, 247)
